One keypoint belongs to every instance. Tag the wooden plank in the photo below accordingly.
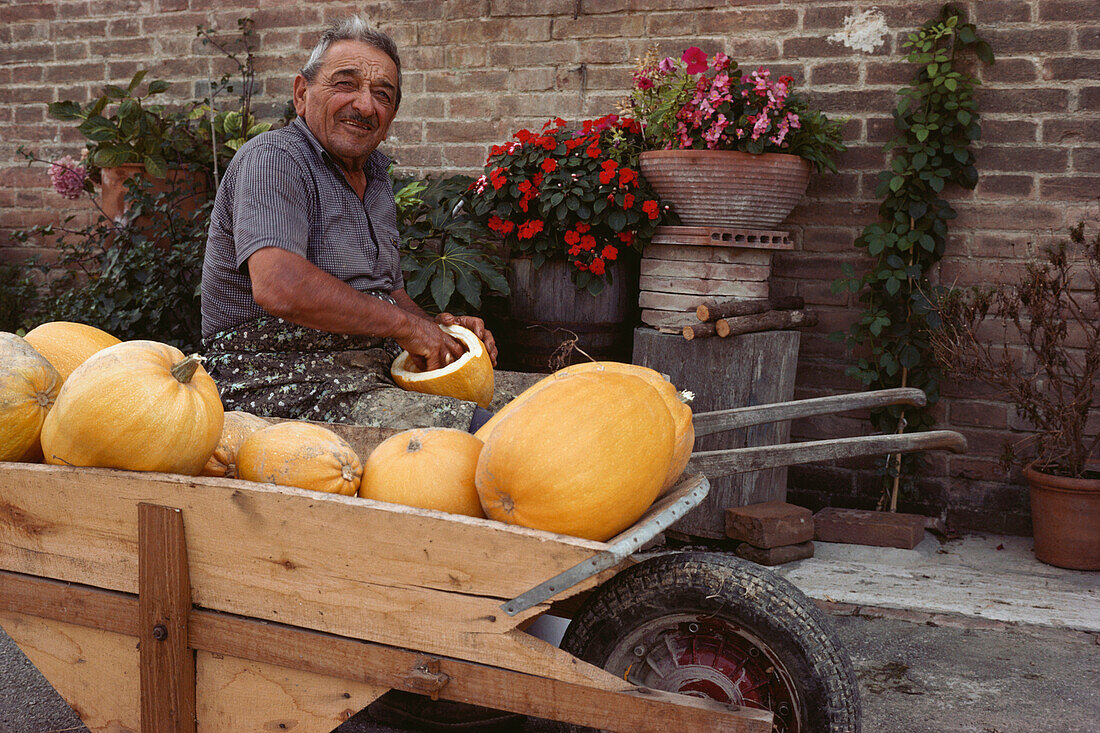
(688, 253)
(95, 671)
(243, 695)
(713, 311)
(614, 705)
(164, 593)
(668, 301)
(706, 289)
(767, 321)
(671, 322)
(705, 270)
(345, 565)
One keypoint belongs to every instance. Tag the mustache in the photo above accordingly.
(369, 122)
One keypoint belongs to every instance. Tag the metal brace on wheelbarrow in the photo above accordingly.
(739, 460)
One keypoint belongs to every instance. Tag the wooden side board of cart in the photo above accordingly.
(159, 602)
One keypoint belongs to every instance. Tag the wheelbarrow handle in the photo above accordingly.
(739, 460)
(706, 423)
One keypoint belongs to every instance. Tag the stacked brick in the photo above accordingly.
(772, 532)
(475, 71)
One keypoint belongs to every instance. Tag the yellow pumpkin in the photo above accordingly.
(238, 426)
(67, 345)
(678, 410)
(469, 377)
(585, 455)
(303, 455)
(430, 468)
(139, 406)
(28, 388)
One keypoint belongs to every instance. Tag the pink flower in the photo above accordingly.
(642, 82)
(721, 61)
(666, 65)
(695, 59)
(67, 177)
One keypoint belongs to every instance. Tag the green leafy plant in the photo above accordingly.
(122, 127)
(937, 120)
(707, 103)
(447, 257)
(18, 298)
(569, 194)
(1054, 311)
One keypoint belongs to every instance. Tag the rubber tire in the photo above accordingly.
(763, 603)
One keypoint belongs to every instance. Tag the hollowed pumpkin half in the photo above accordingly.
(67, 345)
(302, 455)
(28, 388)
(584, 456)
(469, 377)
(430, 468)
(238, 426)
(138, 406)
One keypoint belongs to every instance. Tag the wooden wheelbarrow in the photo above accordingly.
(160, 602)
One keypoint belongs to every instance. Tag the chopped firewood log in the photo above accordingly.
(713, 311)
(700, 330)
(769, 321)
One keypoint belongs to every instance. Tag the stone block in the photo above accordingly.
(770, 524)
(775, 555)
(862, 527)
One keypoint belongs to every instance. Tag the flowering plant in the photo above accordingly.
(570, 194)
(706, 103)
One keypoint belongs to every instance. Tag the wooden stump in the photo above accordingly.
(751, 369)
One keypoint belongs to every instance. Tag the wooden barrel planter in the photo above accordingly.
(547, 312)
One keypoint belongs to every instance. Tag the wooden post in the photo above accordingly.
(724, 373)
(167, 663)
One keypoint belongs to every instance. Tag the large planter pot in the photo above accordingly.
(726, 188)
(190, 184)
(1065, 518)
(546, 311)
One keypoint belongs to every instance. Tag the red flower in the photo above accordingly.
(593, 151)
(524, 186)
(549, 165)
(650, 208)
(627, 175)
(588, 242)
(607, 176)
(507, 227)
(628, 201)
(496, 223)
(695, 59)
(597, 266)
(547, 143)
(609, 252)
(626, 238)
(529, 228)
(582, 227)
(537, 180)
(498, 178)
(525, 136)
(579, 265)
(570, 237)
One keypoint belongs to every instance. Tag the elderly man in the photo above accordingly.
(303, 304)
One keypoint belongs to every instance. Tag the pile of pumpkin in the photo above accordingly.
(583, 452)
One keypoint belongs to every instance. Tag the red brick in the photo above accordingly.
(1042, 159)
(1069, 188)
(1031, 40)
(507, 55)
(995, 186)
(879, 529)
(1085, 160)
(841, 72)
(772, 20)
(1088, 38)
(775, 555)
(1032, 101)
(1089, 99)
(1009, 131)
(980, 414)
(1073, 10)
(814, 47)
(1073, 67)
(889, 72)
(28, 11)
(1002, 11)
(525, 7)
(770, 524)
(1010, 70)
(598, 26)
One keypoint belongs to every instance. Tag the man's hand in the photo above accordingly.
(428, 346)
(474, 324)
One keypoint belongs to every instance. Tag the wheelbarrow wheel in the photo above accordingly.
(715, 626)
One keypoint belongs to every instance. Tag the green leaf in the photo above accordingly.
(892, 286)
(443, 286)
(157, 87)
(155, 165)
(65, 111)
(136, 80)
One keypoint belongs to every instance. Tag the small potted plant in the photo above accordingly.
(726, 148)
(570, 203)
(1049, 371)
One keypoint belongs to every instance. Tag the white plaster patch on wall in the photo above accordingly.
(864, 32)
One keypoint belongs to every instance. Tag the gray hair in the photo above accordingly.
(352, 28)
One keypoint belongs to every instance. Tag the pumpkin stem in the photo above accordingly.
(184, 370)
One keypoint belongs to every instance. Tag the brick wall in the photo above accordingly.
(477, 70)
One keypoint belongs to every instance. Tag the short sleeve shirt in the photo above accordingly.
(283, 190)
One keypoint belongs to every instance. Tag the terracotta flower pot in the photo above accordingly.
(1065, 518)
(113, 188)
(726, 188)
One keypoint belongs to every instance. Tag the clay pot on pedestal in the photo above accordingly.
(190, 184)
(1065, 518)
(726, 188)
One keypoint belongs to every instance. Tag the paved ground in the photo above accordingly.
(943, 642)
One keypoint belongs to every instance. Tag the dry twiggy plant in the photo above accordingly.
(1050, 371)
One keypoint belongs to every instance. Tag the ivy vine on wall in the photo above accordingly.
(937, 121)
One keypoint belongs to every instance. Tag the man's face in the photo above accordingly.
(350, 104)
